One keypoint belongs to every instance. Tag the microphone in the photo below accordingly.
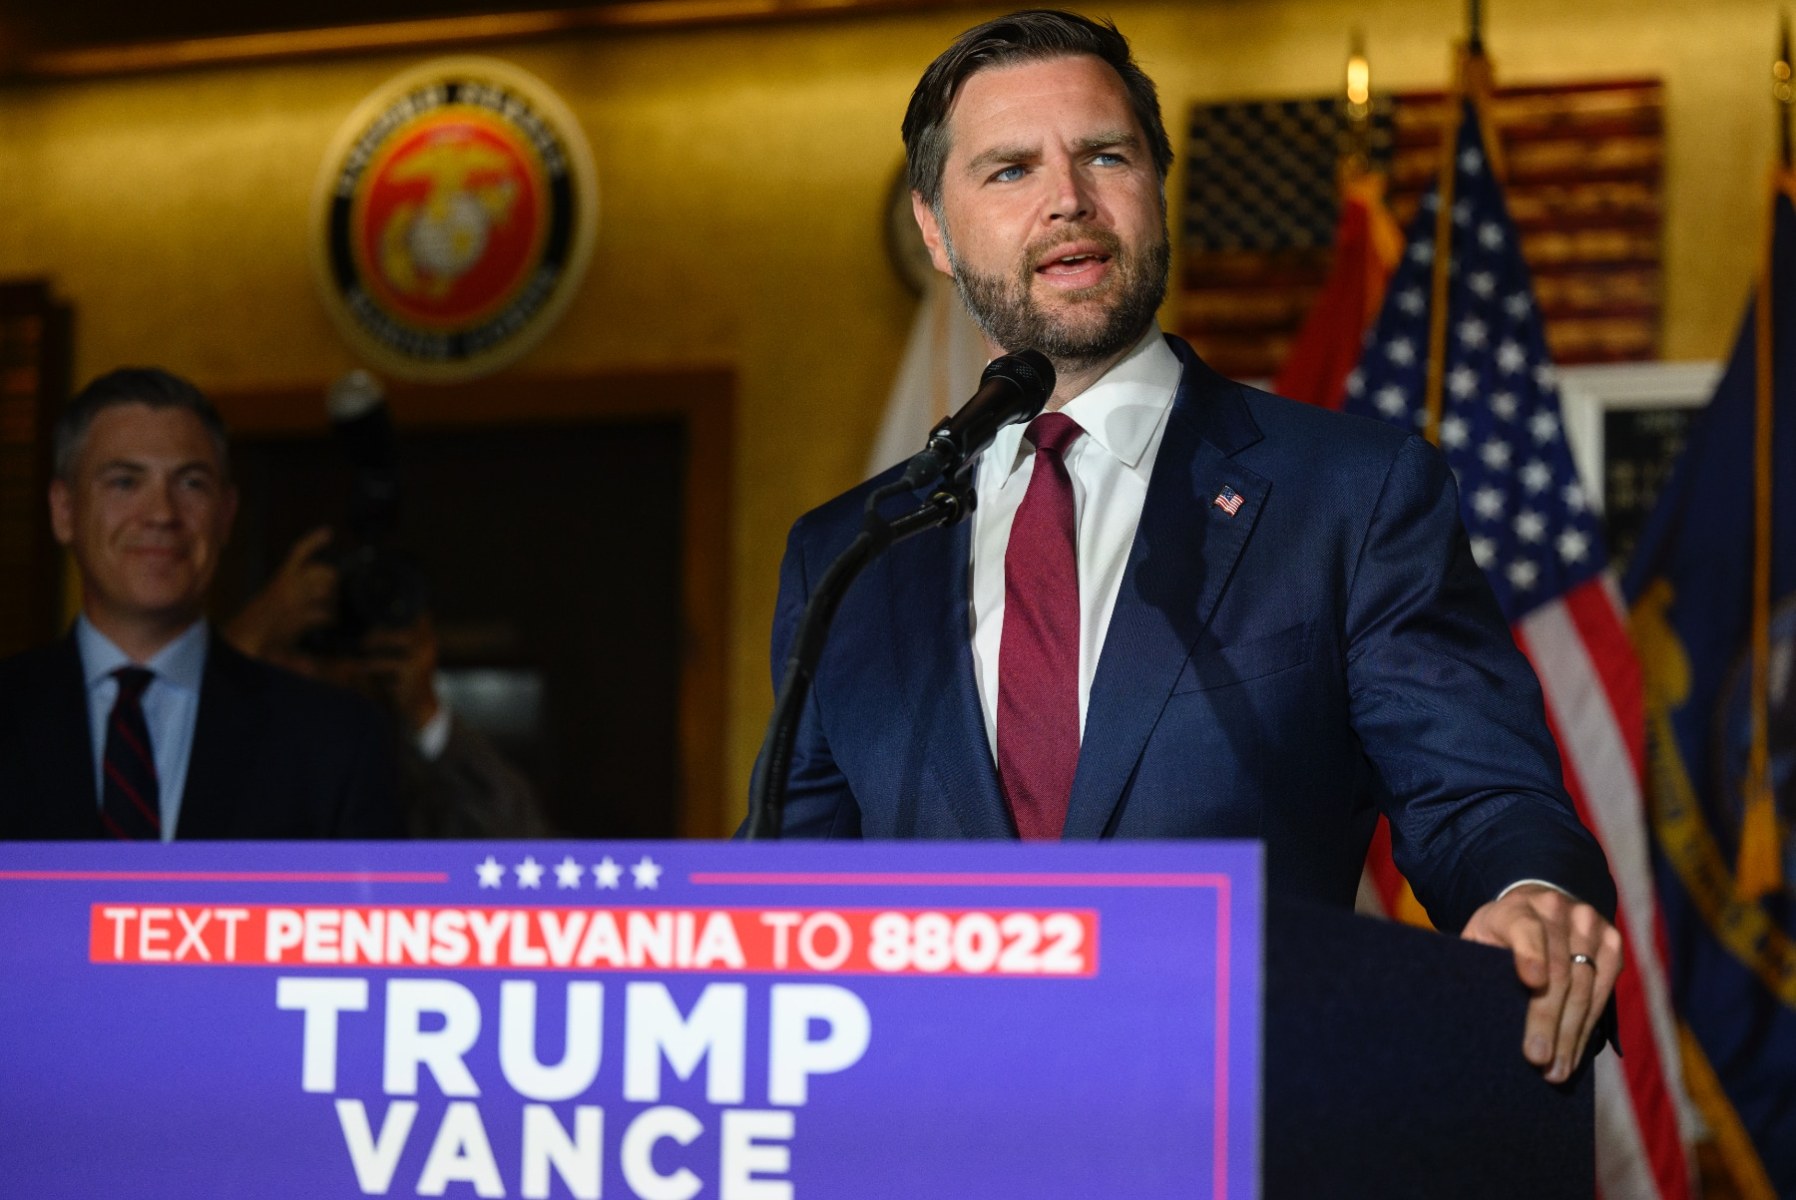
(1012, 388)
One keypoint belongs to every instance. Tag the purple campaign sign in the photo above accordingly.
(650, 1020)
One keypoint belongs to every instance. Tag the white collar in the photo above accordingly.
(1120, 412)
(182, 662)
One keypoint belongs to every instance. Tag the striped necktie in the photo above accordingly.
(130, 799)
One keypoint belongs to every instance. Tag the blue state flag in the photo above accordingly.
(1691, 593)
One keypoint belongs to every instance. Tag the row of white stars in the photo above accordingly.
(1490, 236)
(607, 873)
(1573, 545)
(1472, 333)
(1462, 380)
(1535, 477)
(1489, 501)
(1522, 574)
(1484, 285)
(1393, 401)
(1496, 453)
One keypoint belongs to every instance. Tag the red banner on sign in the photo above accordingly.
(1019, 942)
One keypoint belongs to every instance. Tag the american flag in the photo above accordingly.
(1585, 161)
(1532, 530)
(1228, 500)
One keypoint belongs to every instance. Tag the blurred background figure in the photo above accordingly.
(302, 596)
(566, 666)
(366, 623)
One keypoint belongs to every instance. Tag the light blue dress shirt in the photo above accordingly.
(171, 705)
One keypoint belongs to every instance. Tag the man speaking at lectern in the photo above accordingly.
(1182, 607)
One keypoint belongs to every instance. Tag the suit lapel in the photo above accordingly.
(223, 747)
(934, 662)
(1184, 553)
(66, 738)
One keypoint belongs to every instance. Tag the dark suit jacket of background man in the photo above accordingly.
(274, 755)
(1329, 650)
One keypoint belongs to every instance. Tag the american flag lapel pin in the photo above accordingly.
(1228, 500)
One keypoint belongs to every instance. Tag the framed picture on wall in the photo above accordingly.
(1626, 423)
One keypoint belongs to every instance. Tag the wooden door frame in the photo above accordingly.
(35, 566)
(703, 400)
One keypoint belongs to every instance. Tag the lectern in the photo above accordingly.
(818, 1021)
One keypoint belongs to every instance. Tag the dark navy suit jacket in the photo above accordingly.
(1328, 651)
(274, 755)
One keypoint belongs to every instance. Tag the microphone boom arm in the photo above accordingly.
(949, 504)
(1012, 388)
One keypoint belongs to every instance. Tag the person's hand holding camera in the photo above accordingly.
(302, 596)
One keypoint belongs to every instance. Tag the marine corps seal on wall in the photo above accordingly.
(453, 219)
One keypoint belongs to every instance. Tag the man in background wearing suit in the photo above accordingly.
(141, 724)
(1182, 608)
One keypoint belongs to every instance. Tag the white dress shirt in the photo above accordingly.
(1123, 415)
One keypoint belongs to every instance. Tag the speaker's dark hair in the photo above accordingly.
(1031, 36)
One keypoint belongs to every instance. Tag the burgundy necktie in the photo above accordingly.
(130, 805)
(1038, 653)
